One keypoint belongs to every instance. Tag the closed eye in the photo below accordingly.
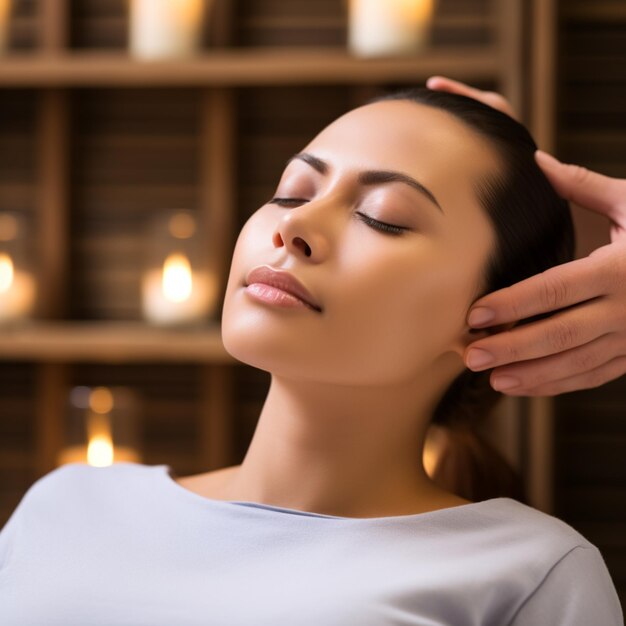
(390, 229)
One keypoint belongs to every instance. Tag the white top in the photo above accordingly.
(126, 545)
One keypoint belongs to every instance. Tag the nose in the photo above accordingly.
(305, 230)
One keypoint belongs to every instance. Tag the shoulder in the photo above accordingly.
(569, 583)
(560, 576)
(81, 475)
(527, 524)
(79, 486)
(576, 591)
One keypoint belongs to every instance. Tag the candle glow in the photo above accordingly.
(177, 283)
(392, 27)
(17, 291)
(100, 450)
(6, 272)
(165, 28)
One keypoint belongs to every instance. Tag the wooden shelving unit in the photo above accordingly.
(245, 67)
(231, 88)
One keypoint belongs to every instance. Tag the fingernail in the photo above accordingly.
(480, 315)
(500, 383)
(478, 358)
(547, 159)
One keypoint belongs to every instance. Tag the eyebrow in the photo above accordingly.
(369, 177)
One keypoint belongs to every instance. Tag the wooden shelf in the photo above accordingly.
(241, 67)
(111, 342)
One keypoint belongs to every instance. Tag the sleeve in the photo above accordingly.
(577, 591)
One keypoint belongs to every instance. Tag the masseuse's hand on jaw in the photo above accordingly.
(583, 346)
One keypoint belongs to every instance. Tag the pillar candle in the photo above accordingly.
(165, 28)
(388, 27)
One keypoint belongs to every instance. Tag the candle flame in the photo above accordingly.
(177, 280)
(100, 451)
(6, 272)
(100, 446)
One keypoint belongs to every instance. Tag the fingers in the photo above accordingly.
(453, 86)
(599, 376)
(535, 374)
(562, 331)
(556, 288)
(490, 98)
(589, 189)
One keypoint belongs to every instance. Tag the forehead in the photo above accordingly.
(420, 140)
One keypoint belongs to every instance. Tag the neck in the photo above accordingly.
(339, 450)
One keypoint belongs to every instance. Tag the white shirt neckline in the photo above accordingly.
(165, 470)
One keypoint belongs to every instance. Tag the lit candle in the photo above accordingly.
(176, 294)
(100, 450)
(389, 27)
(5, 12)
(98, 454)
(17, 291)
(165, 28)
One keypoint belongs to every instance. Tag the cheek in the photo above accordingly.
(398, 313)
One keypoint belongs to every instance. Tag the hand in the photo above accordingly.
(491, 98)
(583, 346)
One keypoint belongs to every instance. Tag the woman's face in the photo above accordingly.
(393, 305)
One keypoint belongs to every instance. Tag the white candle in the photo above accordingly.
(388, 27)
(5, 12)
(176, 294)
(165, 28)
(17, 291)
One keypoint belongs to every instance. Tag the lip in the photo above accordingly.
(284, 281)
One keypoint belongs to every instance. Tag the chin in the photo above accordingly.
(245, 339)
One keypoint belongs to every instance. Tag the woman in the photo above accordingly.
(387, 226)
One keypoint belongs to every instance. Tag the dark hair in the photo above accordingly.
(534, 231)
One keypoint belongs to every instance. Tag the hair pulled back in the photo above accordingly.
(534, 231)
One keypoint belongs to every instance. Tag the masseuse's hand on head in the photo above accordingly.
(491, 98)
(577, 348)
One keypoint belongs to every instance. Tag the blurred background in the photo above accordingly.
(136, 138)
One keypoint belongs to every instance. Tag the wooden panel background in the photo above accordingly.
(17, 436)
(18, 155)
(133, 153)
(24, 27)
(590, 455)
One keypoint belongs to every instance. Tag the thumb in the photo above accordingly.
(588, 189)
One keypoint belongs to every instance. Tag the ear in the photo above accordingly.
(470, 335)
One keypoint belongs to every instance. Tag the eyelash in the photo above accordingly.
(376, 224)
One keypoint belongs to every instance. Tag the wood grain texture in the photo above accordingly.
(237, 67)
(112, 342)
(590, 425)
